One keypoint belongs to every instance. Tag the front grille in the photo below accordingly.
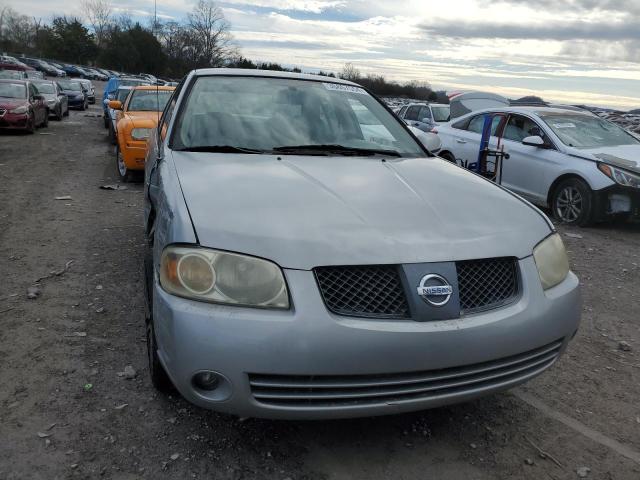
(377, 291)
(328, 391)
(365, 291)
(486, 284)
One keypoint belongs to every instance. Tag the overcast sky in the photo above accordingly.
(578, 51)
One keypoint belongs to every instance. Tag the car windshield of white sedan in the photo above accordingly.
(585, 131)
(13, 90)
(148, 100)
(289, 116)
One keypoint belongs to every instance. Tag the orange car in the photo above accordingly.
(138, 117)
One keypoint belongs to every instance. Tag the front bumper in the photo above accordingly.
(134, 153)
(14, 120)
(308, 343)
(617, 201)
(75, 102)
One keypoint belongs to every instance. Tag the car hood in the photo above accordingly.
(303, 212)
(71, 93)
(144, 117)
(10, 103)
(623, 156)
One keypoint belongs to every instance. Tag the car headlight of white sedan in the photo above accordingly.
(621, 177)
(221, 277)
(552, 262)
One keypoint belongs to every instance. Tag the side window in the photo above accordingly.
(477, 124)
(32, 90)
(168, 111)
(519, 127)
(425, 112)
(412, 113)
(402, 111)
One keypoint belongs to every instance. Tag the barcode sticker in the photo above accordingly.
(339, 87)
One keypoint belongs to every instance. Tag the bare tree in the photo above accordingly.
(350, 72)
(98, 13)
(210, 34)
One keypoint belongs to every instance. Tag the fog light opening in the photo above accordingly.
(206, 381)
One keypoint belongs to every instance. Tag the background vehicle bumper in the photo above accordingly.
(617, 201)
(14, 120)
(308, 341)
(134, 154)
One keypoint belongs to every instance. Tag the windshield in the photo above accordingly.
(13, 90)
(45, 88)
(13, 74)
(441, 114)
(74, 86)
(122, 94)
(133, 83)
(148, 100)
(586, 131)
(268, 113)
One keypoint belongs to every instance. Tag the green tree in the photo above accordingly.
(70, 41)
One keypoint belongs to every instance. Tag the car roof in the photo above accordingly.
(240, 72)
(536, 110)
(154, 88)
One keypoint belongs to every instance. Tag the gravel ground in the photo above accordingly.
(66, 413)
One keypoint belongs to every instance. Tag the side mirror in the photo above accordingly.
(534, 141)
(115, 104)
(111, 96)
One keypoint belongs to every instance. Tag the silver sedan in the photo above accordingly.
(299, 266)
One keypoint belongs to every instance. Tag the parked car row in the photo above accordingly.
(27, 104)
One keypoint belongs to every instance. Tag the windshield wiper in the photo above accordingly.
(338, 149)
(220, 149)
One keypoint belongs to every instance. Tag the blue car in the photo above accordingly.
(76, 94)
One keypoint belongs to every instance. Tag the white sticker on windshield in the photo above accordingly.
(564, 125)
(339, 87)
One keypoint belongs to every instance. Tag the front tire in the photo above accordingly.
(45, 121)
(31, 126)
(572, 202)
(124, 173)
(158, 374)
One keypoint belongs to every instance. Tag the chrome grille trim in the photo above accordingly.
(317, 391)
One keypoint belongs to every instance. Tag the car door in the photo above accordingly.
(467, 137)
(527, 170)
(35, 104)
(411, 115)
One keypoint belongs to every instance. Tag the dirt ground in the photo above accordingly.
(66, 413)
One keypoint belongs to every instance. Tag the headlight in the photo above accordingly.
(552, 262)
(621, 177)
(140, 133)
(221, 277)
(19, 110)
(51, 102)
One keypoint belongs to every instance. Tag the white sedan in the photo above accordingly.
(584, 168)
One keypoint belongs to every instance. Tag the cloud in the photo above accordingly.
(558, 30)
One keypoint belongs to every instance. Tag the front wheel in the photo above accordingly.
(124, 173)
(45, 121)
(31, 124)
(159, 377)
(573, 202)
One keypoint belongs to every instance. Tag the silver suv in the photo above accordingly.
(302, 264)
